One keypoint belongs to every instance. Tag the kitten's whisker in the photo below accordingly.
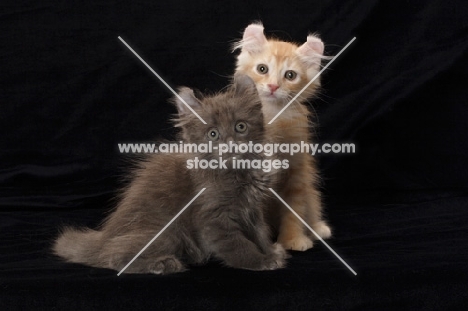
(224, 88)
(220, 75)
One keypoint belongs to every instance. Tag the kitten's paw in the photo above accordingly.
(280, 252)
(273, 264)
(167, 265)
(276, 260)
(297, 243)
(322, 229)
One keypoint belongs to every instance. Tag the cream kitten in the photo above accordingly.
(280, 70)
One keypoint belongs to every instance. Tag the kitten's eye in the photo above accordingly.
(290, 75)
(262, 69)
(241, 127)
(213, 134)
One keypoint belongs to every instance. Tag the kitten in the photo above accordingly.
(280, 70)
(225, 221)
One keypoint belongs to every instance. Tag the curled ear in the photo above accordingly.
(312, 50)
(253, 40)
(186, 97)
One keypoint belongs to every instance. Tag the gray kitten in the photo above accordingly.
(225, 222)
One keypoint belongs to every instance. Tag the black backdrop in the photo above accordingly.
(70, 91)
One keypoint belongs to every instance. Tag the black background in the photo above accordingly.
(70, 91)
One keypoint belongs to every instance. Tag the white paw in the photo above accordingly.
(279, 251)
(273, 264)
(297, 243)
(322, 229)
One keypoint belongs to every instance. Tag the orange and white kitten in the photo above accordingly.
(280, 70)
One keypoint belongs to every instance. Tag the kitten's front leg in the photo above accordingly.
(235, 250)
(292, 233)
(305, 200)
(314, 215)
(244, 254)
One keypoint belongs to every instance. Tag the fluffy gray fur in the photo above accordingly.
(226, 222)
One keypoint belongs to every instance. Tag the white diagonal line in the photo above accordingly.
(161, 79)
(311, 81)
(312, 230)
(160, 232)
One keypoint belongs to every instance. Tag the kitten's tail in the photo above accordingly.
(78, 245)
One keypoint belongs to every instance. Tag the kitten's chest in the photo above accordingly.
(289, 127)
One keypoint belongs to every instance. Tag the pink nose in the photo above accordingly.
(273, 87)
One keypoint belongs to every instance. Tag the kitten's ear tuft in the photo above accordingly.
(312, 50)
(253, 40)
(315, 44)
(198, 94)
(186, 96)
(243, 84)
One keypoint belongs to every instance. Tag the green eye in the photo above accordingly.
(241, 127)
(213, 134)
(290, 75)
(262, 69)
